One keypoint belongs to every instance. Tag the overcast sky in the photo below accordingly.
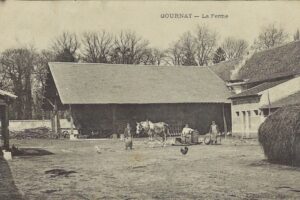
(37, 23)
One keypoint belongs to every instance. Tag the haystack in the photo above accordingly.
(279, 136)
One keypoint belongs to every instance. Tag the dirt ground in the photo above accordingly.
(234, 170)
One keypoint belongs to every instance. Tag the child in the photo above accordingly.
(128, 137)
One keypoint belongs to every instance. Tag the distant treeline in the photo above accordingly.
(23, 70)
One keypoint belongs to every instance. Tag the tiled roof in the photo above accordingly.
(276, 62)
(84, 83)
(223, 69)
(259, 88)
(289, 100)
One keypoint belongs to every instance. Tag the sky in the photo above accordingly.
(37, 23)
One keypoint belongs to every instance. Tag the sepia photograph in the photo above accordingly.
(149, 100)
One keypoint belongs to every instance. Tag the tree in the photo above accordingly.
(234, 48)
(219, 56)
(159, 56)
(297, 35)
(65, 47)
(17, 66)
(97, 47)
(148, 57)
(128, 48)
(175, 54)
(270, 36)
(40, 73)
(206, 41)
(188, 45)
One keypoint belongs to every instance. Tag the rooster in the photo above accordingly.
(184, 150)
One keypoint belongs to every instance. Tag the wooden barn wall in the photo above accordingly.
(100, 117)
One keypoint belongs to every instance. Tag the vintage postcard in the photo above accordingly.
(149, 100)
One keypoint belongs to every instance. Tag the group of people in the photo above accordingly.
(185, 134)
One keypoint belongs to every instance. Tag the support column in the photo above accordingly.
(71, 120)
(5, 124)
(114, 119)
(224, 121)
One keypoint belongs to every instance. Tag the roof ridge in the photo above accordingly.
(279, 46)
(133, 65)
(134, 85)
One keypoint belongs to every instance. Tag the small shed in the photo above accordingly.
(5, 99)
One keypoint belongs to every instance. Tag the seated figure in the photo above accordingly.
(186, 134)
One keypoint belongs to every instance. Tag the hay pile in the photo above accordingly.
(279, 136)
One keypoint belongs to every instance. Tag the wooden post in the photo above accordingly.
(114, 118)
(224, 120)
(5, 124)
(56, 118)
(71, 120)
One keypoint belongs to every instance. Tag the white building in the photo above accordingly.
(250, 107)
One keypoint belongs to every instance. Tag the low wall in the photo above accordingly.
(19, 125)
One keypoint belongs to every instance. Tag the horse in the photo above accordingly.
(153, 129)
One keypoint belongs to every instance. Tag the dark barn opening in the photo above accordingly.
(108, 119)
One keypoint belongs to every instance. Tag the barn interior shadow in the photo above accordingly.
(29, 152)
(8, 189)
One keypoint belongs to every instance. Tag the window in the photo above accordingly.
(237, 113)
(256, 112)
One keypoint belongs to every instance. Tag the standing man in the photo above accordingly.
(128, 137)
(214, 130)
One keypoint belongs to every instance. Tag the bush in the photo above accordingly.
(279, 135)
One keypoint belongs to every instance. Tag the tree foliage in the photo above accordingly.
(128, 48)
(65, 47)
(97, 47)
(270, 36)
(17, 68)
(219, 56)
(206, 41)
(234, 48)
(188, 46)
(195, 48)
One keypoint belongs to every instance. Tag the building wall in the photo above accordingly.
(246, 117)
(100, 117)
(246, 113)
(280, 91)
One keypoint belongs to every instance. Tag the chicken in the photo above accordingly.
(98, 149)
(184, 150)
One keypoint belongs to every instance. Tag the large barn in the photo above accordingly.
(104, 97)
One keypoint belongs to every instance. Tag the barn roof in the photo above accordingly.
(292, 99)
(257, 89)
(223, 69)
(273, 63)
(86, 83)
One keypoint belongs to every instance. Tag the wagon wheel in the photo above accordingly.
(65, 134)
(207, 140)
